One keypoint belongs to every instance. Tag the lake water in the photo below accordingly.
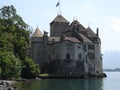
(112, 82)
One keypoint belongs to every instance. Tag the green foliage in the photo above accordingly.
(51, 76)
(30, 69)
(6, 42)
(8, 12)
(14, 38)
(44, 75)
(12, 25)
(10, 65)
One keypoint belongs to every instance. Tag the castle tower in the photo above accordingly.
(37, 33)
(36, 43)
(58, 25)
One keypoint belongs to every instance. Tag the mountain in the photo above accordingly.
(112, 70)
(111, 59)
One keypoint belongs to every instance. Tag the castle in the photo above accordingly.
(71, 49)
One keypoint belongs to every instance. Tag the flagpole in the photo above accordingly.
(59, 9)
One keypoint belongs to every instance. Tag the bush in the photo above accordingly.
(30, 69)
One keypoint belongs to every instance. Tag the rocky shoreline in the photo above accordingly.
(7, 85)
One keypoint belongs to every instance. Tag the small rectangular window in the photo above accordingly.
(68, 56)
(78, 46)
(91, 55)
(91, 47)
(85, 48)
(80, 56)
(57, 56)
(49, 58)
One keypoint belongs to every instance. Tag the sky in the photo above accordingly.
(103, 14)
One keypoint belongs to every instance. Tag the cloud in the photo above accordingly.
(114, 22)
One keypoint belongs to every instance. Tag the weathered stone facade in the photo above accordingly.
(71, 49)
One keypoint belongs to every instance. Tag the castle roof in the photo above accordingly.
(85, 39)
(60, 18)
(57, 39)
(90, 32)
(72, 39)
(75, 22)
(37, 33)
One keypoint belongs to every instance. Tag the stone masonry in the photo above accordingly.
(71, 49)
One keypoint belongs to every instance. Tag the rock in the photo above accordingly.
(7, 85)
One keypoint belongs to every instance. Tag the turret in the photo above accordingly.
(37, 35)
(37, 46)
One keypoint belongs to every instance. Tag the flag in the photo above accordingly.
(58, 4)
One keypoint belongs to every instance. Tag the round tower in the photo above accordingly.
(37, 45)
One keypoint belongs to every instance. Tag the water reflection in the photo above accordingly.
(62, 84)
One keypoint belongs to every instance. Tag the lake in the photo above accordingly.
(111, 82)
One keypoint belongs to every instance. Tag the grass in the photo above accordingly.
(62, 76)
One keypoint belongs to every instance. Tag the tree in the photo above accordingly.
(11, 22)
(10, 65)
(8, 12)
(6, 40)
(14, 39)
(30, 69)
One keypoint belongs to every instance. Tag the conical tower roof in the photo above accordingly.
(37, 33)
(60, 18)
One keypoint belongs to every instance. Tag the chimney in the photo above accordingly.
(97, 32)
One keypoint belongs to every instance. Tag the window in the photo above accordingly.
(91, 47)
(68, 56)
(86, 59)
(79, 56)
(57, 56)
(69, 45)
(91, 55)
(49, 58)
(85, 48)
